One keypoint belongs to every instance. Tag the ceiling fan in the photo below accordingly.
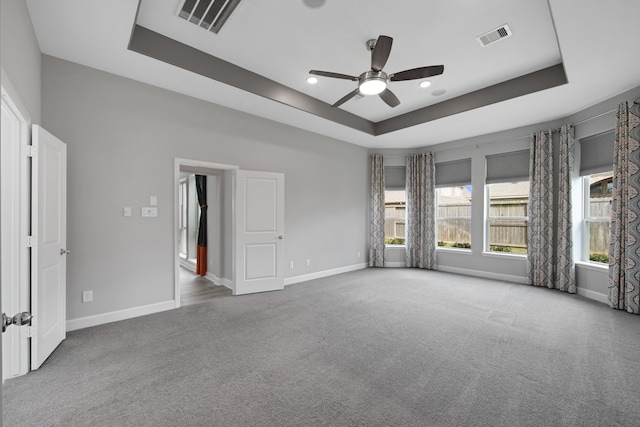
(375, 82)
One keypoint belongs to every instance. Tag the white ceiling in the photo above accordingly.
(283, 39)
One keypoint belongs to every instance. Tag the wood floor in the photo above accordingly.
(195, 289)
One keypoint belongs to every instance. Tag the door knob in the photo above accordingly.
(280, 237)
(19, 319)
(65, 252)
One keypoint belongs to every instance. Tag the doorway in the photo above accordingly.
(191, 288)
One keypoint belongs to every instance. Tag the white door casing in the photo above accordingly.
(259, 232)
(49, 252)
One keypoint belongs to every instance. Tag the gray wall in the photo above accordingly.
(20, 54)
(122, 138)
(591, 280)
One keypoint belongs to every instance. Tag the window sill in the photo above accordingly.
(394, 246)
(454, 250)
(504, 255)
(593, 266)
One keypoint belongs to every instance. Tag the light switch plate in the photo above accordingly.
(126, 211)
(153, 200)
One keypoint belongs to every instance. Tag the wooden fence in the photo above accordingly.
(455, 225)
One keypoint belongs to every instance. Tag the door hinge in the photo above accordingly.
(30, 150)
(30, 331)
(29, 241)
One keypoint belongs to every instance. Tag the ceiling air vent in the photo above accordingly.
(208, 14)
(494, 35)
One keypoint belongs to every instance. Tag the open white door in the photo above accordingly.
(49, 251)
(14, 255)
(259, 232)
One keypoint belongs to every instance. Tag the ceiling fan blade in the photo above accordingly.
(417, 73)
(390, 98)
(334, 75)
(381, 53)
(346, 98)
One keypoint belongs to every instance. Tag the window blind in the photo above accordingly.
(596, 153)
(394, 177)
(508, 167)
(453, 174)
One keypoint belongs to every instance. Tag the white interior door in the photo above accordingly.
(49, 252)
(259, 232)
(13, 225)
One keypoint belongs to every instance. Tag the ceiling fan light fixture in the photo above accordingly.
(372, 83)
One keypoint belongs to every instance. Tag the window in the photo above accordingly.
(597, 216)
(395, 205)
(453, 217)
(453, 204)
(182, 196)
(507, 216)
(597, 177)
(395, 216)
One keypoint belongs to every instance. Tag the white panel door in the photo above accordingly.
(49, 253)
(14, 255)
(259, 232)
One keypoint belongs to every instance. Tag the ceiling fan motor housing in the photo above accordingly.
(372, 82)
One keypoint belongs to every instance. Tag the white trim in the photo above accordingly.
(484, 274)
(394, 264)
(187, 264)
(320, 274)
(589, 265)
(498, 254)
(225, 282)
(115, 316)
(593, 295)
(447, 249)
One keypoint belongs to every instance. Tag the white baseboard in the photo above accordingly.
(225, 282)
(114, 316)
(187, 264)
(596, 296)
(219, 281)
(320, 274)
(483, 274)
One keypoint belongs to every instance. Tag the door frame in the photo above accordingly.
(177, 164)
(22, 288)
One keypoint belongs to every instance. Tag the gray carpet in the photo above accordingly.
(377, 347)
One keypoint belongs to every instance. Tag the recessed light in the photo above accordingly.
(314, 4)
(425, 84)
(312, 80)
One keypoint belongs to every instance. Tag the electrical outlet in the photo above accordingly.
(308, 262)
(290, 265)
(87, 296)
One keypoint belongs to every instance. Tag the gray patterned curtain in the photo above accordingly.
(565, 267)
(376, 216)
(624, 249)
(540, 225)
(421, 218)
